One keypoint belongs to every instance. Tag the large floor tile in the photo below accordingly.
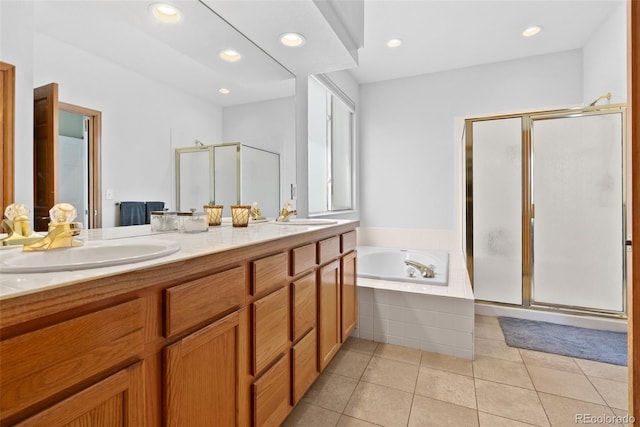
(548, 360)
(563, 411)
(349, 363)
(427, 412)
(490, 320)
(446, 386)
(497, 349)
(489, 330)
(489, 420)
(615, 393)
(391, 373)
(591, 368)
(510, 402)
(306, 415)
(330, 391)
(396, 352)
(379, 405)
(346, 421)
(502, 371)
(562, 383)
(623, 417)
(360, 345)
(444, 362)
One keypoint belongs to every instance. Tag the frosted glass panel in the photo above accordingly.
(577, 192)
(497, 210)
(226, 175)
(341, 137)
(195, 176)
(260, 181)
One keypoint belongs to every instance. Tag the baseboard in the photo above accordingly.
(584, 321)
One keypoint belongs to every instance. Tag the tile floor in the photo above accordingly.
(371, 384)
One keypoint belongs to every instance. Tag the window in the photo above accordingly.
(331, 148)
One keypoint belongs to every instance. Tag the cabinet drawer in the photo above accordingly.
(305, 369)
(303, 258)
(270, 328)
(195, 302)
(38, 364)
(303, 294)
(268, 273)
(271, 395)
(348, 241)
(328, 249)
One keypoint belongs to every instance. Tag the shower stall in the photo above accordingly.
(545, 209)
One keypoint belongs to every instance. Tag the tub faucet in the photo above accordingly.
(426, 272)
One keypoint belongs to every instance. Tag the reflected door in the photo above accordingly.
(577, 194)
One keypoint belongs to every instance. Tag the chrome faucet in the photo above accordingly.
(426, 271)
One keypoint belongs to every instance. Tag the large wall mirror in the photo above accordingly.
(158, 86)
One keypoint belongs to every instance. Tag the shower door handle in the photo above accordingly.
(628, 243)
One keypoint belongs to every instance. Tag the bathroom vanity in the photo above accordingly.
(230, 330)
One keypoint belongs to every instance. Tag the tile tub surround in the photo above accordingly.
(432, 318)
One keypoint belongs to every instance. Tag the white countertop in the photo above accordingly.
(217, 239)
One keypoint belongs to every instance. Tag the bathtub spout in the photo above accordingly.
(426, 272)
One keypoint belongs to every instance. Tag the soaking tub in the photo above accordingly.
(429, 314)
(389, 264)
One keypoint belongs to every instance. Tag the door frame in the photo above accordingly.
(7, 126)
(94, 150)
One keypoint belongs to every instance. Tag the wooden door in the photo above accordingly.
(7, 123)
(328, 313)
(202, 376)
(348, 295)
(45, 153)
(115, 401)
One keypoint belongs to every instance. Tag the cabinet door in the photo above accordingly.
(115, 401)
(348, 294)
(202, 372)
(328, 313)
(270, 329)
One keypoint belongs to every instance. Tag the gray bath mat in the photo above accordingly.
(583, 343)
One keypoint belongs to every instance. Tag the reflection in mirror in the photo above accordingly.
(156, 85)
(194, 175)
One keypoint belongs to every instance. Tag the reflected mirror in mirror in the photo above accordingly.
(155, 84)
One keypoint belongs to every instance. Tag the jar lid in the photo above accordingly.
(162, 213)
(191, 214)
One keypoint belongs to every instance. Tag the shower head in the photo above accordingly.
(607, 96)
(199, 143)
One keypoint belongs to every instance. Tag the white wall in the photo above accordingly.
(605, 59)
(16, 48)
(410, 140)
(142, 121)
(269, 125)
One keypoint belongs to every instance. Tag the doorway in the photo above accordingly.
(66, 158)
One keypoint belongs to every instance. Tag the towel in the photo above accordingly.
(132, 213)
(152, 207)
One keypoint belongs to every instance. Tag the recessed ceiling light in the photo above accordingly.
(230, 55)
(224, 90)
(394, 43)
(165, 12)
(292, 39)
(532, 31)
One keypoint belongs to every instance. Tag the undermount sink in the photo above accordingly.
(92, 254)
(306, 221)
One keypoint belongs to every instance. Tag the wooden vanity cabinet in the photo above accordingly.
(229, 339)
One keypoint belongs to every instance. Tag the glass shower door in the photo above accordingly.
(577, 198)
(497, 210)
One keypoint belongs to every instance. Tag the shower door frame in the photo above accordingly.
(528, 214)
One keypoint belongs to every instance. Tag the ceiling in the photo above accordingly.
(438, 35)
